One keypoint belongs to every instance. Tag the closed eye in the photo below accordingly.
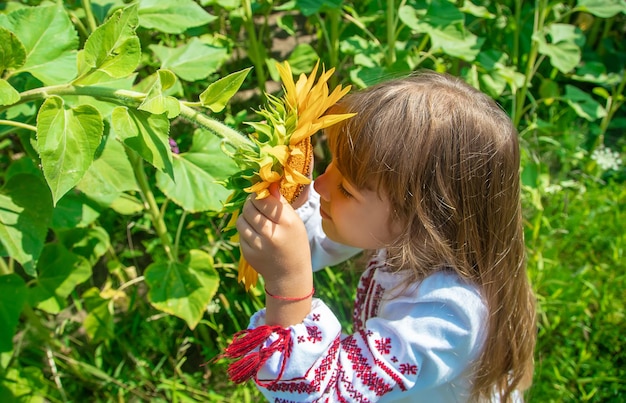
(343, 190)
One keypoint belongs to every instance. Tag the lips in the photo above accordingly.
(324, 214)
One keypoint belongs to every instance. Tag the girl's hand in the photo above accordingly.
(273, 240)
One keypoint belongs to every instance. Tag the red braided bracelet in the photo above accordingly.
(292, 299)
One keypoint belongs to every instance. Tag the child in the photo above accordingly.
(427, 175)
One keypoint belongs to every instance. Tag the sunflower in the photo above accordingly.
(283, 149)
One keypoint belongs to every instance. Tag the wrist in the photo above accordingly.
(290, 299)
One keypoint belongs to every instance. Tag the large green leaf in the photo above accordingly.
(67, 139)
(192, 61)
(25, 213)
(563, 47)
(145, 133)
(8, 94)
(12, 52)
(156, 101)
(60, 271)
(110, 175)
(12, 297)
(172, 16)
(217, 94)
(74, 209)
(602, 8)
(112, 49)
(197, 173)
(310, 7)
(583, 104)
(50, 41)
(445, 24)
(183, 289)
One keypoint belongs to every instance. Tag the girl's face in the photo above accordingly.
(354, 217)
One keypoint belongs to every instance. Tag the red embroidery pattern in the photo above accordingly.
(314, 334)
(319, 374)
(363, 368)
(409, 369)
(358, 370)
(383, 345)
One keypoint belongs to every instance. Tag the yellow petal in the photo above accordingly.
(301, 133)
(246, 274)
(268, 175)
(304, 85)
(329, 120)
(286, 76)
(258, 188)
(292, 176)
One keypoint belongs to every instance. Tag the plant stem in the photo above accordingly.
(151, 204)
(133, 99)
(541, 8)
(255, 49)
(91, 21)
(612, 105)
(4, 267)
(179, 231)
(391, 32)
(18, 124)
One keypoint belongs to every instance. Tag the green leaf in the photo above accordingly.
(50, 41)
(302, 59)
(310, 7)
(25, 213)
(67, 139)
(173, 17)
(113, 49)
(602, 8)
(183, 289)
(197, 174)
(445, 24)
(110, 175)
(74, 210)
(98, 323)
(12, 52)
(218, 93)
(146, 134)
(60, 271)
(583, 104)
(91, 243)
(156, 101)
(12, 297)
(564, 48)
(8, 94)
(193, 61)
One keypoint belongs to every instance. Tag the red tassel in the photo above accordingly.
(247, 340)
(244, 369)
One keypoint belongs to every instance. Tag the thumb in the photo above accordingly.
(275, 191)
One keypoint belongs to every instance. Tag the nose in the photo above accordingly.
(321, 185)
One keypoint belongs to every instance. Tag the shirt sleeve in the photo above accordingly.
(324, 252)
(421, 339)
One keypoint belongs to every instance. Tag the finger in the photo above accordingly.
(271, 207)
(249, 238)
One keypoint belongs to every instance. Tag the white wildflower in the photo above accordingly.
(213, 307)
(606, 158)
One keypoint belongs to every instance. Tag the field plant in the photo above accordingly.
(117, 282)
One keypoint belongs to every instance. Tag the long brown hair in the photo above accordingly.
(447, 158)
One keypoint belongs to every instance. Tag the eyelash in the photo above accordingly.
(344, 191)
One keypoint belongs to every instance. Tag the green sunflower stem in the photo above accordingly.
(133, 99)
(151, 205)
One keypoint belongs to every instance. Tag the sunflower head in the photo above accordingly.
(283, 150)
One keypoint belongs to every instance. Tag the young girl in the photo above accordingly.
(427, 176)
